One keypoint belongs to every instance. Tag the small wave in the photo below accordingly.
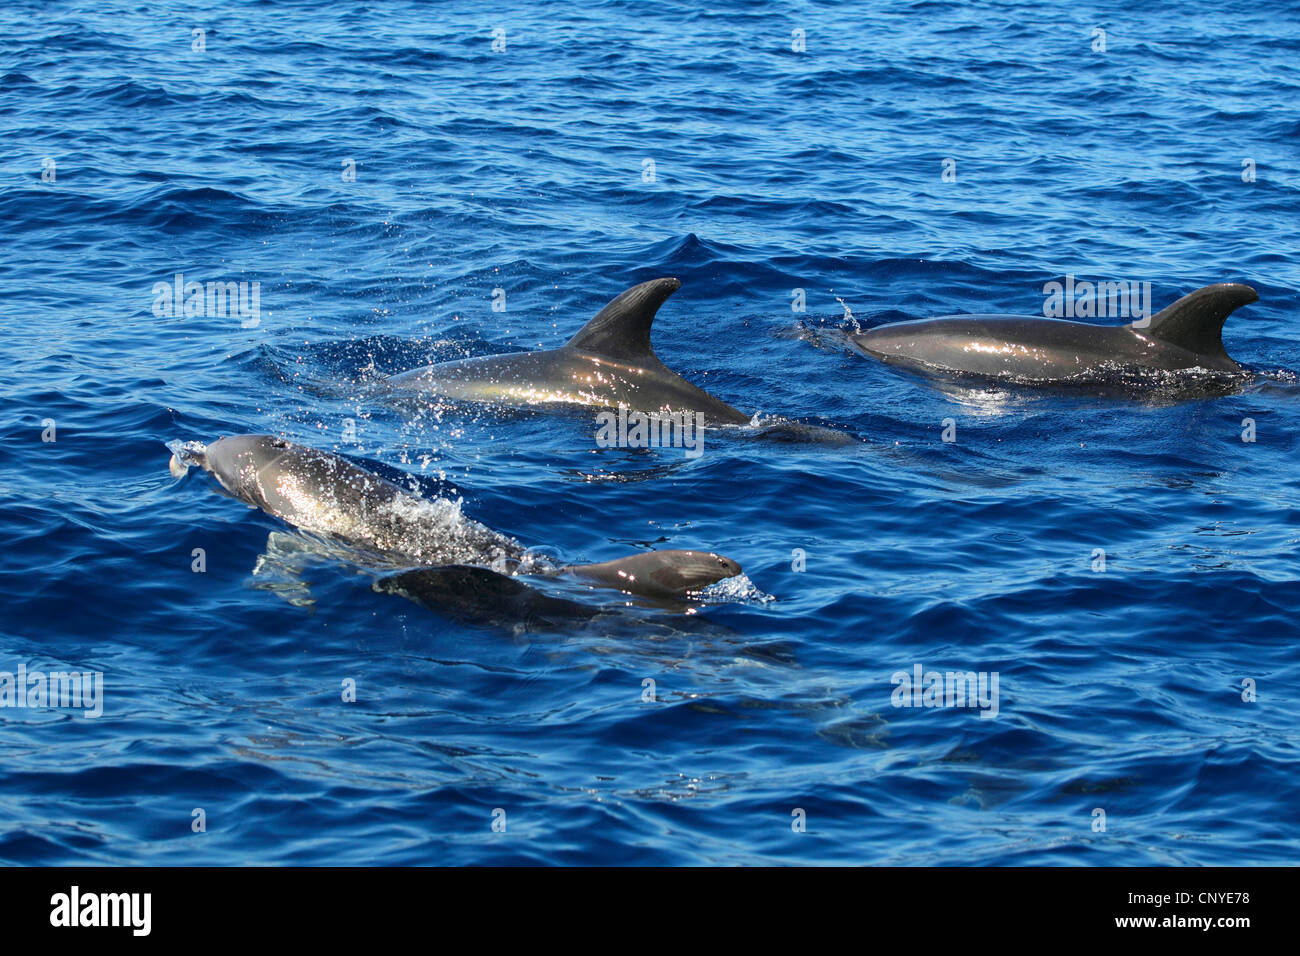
(734, 590)
(135, 95)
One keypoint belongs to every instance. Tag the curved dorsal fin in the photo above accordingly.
(621, 330)
(1195, 322)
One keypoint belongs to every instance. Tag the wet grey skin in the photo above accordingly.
(1186, 335)
(607, 364)
(326, 494)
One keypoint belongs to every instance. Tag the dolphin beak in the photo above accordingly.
(186, 454)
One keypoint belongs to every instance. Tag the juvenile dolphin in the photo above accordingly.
(325, 493)
(1186, 335)
(607, 364)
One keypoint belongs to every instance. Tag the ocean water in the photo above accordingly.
(1124, 563)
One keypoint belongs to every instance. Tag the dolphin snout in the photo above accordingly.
(186, 454)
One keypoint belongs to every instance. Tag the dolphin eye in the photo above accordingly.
(279, 443)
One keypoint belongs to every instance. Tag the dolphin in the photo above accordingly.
(483, 597)
(1183, 336)
(607, 364)
(325, 493)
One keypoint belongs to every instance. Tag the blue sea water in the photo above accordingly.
(136, 149)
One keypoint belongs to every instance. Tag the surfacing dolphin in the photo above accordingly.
(607, 364)
(1184, 336)
(326, 494)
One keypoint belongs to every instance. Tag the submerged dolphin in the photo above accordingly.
(1186, 335)
(327, 494)
(607, 364)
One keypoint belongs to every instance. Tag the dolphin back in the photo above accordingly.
(621, 330)
(608, 363)
(481, 596)
(324, 493)
(1195, 322)
(1184, 336)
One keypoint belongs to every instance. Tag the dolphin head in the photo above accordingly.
(660, 574)
(693, 570)
(239, 463)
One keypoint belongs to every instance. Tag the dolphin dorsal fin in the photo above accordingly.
(621, 330)
(1195, 322)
